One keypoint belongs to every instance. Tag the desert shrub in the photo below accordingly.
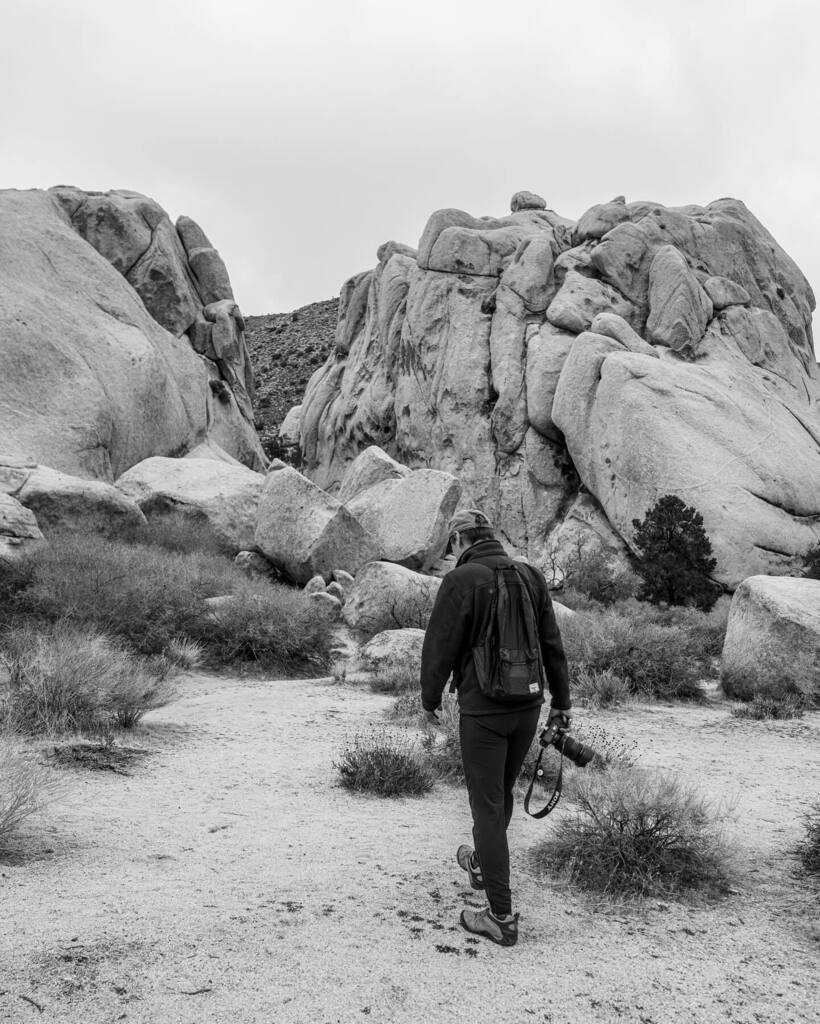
(147, 595)
(599, 688)
(809, 848)
(25, 786)
(270, 624)
(600, 578)
(811, 563)
(762, 707)
(638, 833)
(653, 659)
(441, 746)
(675, 555)
(406, 709)
(396, 679)
(69, 678)
(383, 763)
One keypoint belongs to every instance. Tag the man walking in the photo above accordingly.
(495, 735)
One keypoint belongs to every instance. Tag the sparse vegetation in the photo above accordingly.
(406, 709)
(146, 595)
(771, 678)
(654, 660)
(270, 624)
(153, 598)
(442, 745)
(638, 833)
(676, 555)
(809, 847)
(599, 688)
(762, 707)
(25, 786)
(67, 678)
(600, 578)
(384, 763)
(396, 679)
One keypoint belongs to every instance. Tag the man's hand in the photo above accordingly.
(431, 718)
(561, 718)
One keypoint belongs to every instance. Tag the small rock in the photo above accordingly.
(315, 585)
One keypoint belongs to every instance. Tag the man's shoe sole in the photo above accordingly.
(470, 870)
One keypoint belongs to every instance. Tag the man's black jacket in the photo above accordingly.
(463, 597)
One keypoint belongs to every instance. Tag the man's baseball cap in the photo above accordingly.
(467, 519)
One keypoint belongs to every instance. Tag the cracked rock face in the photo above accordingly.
(640, 351)
(96, 294)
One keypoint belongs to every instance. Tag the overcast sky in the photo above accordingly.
(303, 134)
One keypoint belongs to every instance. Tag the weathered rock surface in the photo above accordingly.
(60, 501)
(772, 644)
(219, 499)
(408, 516)
(97, 375)
(389, 596)
(394, 648)
(18, 528)
(642, 351)
(305, 532)
(679, 309)
(291, 425)
(373, 466)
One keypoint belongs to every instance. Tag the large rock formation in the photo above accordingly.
(638, 352)
(119, 337)
(63, 502)
(305, 532)
(220, 500)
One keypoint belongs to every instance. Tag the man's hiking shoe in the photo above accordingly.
(483, 922)
(467, 860)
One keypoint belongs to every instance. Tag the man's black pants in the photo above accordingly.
(493, 748)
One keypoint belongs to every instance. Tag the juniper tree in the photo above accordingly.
(675, 555)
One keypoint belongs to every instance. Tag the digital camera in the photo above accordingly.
(556, 736)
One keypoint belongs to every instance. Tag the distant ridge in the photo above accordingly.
(285, 350)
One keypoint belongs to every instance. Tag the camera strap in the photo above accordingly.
(538, 773)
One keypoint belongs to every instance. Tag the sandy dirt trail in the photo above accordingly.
(230, 880)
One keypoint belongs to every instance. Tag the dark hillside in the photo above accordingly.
(285, 349)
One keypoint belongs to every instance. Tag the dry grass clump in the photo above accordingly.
(763, 707)
(384, 763)
(809, 848)
(639, 833)
(25, 786)
(180, 532)
(65, 678)
(270, 624)
(395, 678)
(599, 688)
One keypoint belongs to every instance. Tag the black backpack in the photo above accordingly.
(507, 658)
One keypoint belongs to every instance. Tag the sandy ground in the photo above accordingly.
(229, 878)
